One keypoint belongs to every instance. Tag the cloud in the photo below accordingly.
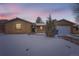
(31, 11)
(9, 10)
(7, 15)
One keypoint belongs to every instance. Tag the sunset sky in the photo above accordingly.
(30, 11)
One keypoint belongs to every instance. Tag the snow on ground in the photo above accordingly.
(36, 45)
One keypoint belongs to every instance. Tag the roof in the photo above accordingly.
(14, 19)
(3, 21)
(38, 24)
(64, 22)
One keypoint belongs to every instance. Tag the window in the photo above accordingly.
(18, 26)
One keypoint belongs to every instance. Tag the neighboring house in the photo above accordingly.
(75, 29)
(18, 25)
(2, 25)
(40, 28)
(64, 27)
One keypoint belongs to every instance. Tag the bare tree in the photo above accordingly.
(76, 11)
(50, 27)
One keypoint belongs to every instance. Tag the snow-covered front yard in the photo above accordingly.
(36, 45)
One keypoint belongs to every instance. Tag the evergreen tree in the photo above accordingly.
(39, 20)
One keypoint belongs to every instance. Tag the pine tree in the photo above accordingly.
(39, 20)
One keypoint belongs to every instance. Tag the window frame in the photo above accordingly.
(18, 26)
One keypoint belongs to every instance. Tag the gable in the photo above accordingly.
(64, 23)
(17, 20)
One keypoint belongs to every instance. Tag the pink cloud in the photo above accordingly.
(7, 15)
(12, 10)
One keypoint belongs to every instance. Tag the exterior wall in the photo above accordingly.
(38, 30)
(1, 28)
(74, 31)
(10, 27)
(2, 25)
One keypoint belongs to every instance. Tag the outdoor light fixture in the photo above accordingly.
(41, 27)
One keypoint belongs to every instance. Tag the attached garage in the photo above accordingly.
(63, 30)
(64, 27)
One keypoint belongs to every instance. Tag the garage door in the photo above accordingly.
(63, 30)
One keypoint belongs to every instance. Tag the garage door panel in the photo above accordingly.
(63, 30)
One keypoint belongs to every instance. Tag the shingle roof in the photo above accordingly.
(14, 19)
(64, 20)
(3, 21)
(40, 24)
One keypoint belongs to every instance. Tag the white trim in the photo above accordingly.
(40, 24)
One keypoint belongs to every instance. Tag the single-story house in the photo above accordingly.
(64, 27)
(40, 28)
(18, 25)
